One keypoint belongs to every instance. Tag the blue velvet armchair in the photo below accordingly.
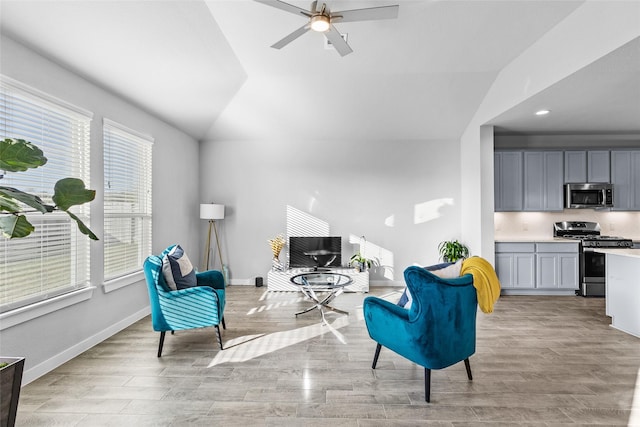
(197, 307)
(437, 331)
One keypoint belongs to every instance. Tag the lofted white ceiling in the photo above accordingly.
(601, 98)
(207, 66)
(168, 57)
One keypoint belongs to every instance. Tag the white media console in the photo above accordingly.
(281, 280)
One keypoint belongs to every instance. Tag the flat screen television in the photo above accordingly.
(305, 252)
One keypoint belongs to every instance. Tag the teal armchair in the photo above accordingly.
(197, 307)
(437, 331)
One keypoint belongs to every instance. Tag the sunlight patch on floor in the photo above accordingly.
(634, 416)
(252, 346)
(274, 305)
(249, 347)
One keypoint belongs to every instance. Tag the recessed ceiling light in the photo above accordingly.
(542, 112)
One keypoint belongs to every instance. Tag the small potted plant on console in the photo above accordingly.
(361, 263)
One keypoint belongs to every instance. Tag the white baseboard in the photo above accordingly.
(532, 291)
(49, 365)
(242, 282)
(387, 283)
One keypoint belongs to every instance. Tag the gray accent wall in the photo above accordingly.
(50, 340)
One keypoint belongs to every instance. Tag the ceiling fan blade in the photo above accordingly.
(291, 37)
(286, 7)
(368, 14)
(333, 35)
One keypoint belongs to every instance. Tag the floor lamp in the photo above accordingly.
(211, 212)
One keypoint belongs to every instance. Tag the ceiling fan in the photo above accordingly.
(322, 20)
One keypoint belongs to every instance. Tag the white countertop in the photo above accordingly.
(633, 253)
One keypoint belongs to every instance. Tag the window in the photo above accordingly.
(127, 200)
(54, 259)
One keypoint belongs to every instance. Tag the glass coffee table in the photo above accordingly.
(315, 282)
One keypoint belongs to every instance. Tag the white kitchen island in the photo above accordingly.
(623, 289)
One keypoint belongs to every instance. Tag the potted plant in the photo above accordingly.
(10, 381)
(18, 155)
(452, 251)
(360, 262)
(277, 243)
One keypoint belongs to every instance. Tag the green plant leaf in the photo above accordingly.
(15, 226)
(8, 204)
(26, 198)
(452, 250)
(82, 227)
(70, 192)
(18, 155)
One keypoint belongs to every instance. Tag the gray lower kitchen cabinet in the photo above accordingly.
(515, 265)
(625, 177)
(508, 181)
(557, 265)
(537, 267)
(543, 180)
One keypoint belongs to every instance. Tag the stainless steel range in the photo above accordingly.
(592, 264)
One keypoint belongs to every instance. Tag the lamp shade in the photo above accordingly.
(211, 211)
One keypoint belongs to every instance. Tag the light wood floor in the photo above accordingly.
(540, 361)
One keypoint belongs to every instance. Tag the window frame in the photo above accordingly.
(142, 211)
(62, 131)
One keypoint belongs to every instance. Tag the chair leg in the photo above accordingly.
(161, 343)
(224, 326)
(375, 357)
(427, 384)
(468, 366)
(219, 337)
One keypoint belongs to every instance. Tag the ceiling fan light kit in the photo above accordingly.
(322, 21)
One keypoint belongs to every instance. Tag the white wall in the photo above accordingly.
(50, 340)
(403, 196)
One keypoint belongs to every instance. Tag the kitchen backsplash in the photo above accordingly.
(539, 225)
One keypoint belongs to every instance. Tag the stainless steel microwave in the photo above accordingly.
(588, 195)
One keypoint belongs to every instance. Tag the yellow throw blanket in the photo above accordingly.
(485, 281)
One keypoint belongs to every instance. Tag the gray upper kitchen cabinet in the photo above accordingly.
(508, 181)
(557, 265)
(575, 166)
(587, 166)
(625, 177)
(598, 166)
(543, 179)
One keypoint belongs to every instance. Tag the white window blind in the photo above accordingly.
(54, 259)
(127, 200)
